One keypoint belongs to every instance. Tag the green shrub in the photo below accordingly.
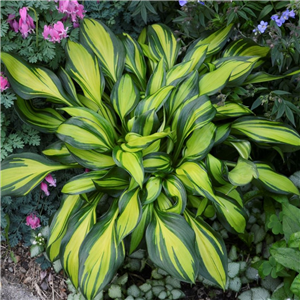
(153, 132)
(277, 100)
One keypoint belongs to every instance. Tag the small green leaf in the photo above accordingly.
(243, 172)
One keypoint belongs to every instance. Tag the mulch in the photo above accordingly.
(46, 284)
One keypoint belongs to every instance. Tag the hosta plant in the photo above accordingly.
(148, 125)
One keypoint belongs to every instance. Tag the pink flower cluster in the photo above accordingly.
(4, 82)
(25, 24)
(55, 33)
(33, 221)
(72, 9)
(44, 186)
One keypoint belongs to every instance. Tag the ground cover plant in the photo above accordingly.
(149, 127)
(271, 24)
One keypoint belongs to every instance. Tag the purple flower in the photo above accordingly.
(14, 25)
(44, 188)
(279, 21)
(50, 180)
(285, 15)
(4, 82)
(26, 24)
(292, 14)
(201, 2)
(262, 26)
(182, 2)
(33, 221)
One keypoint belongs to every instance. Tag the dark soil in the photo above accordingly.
(48, 285)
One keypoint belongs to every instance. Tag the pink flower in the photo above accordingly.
(26, 24)
(72, 8)
(50, 180)
(63, 6)
(13, 23)
(57, 32)
(4, 82)
(44, 188)
(33, 221)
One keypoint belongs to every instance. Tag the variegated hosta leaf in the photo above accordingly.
(230, 214)
(70, 204)
(244, 66)
(243, 172)
(213, 82)
(135, 142)
(86, 134)
(152, 190)
(100, 255)
(215, 41)
(130, 213)
(163, 44)
(152, 62)
(139, 232)
(198, 178)
(263, 77)
(230, 191)
(163, 202)
(114, 182)
(153, 147)
(146, 123)
(157, 162)
(105, 121)
(132, 162)
(175, 190)
(154, 101)
(216, 169)
(43, 119)
(60, 153)
(79, 226)
(232, 110)
(124, 96)
(135, 60)
(88, 103)
(222, 133)
(84, 69)
(22, 172)
(245, 47)
(190, 116)
(91, 159)
(212, 251)
(178, 73)
(188, 89)
(157, 79)
(274, 182)
(171, 245)
(105, 45)
(199, 144)
(30, 82)
(197, 55)
(242, 146)
(69, 86)
(265, 131)
(83, 183)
